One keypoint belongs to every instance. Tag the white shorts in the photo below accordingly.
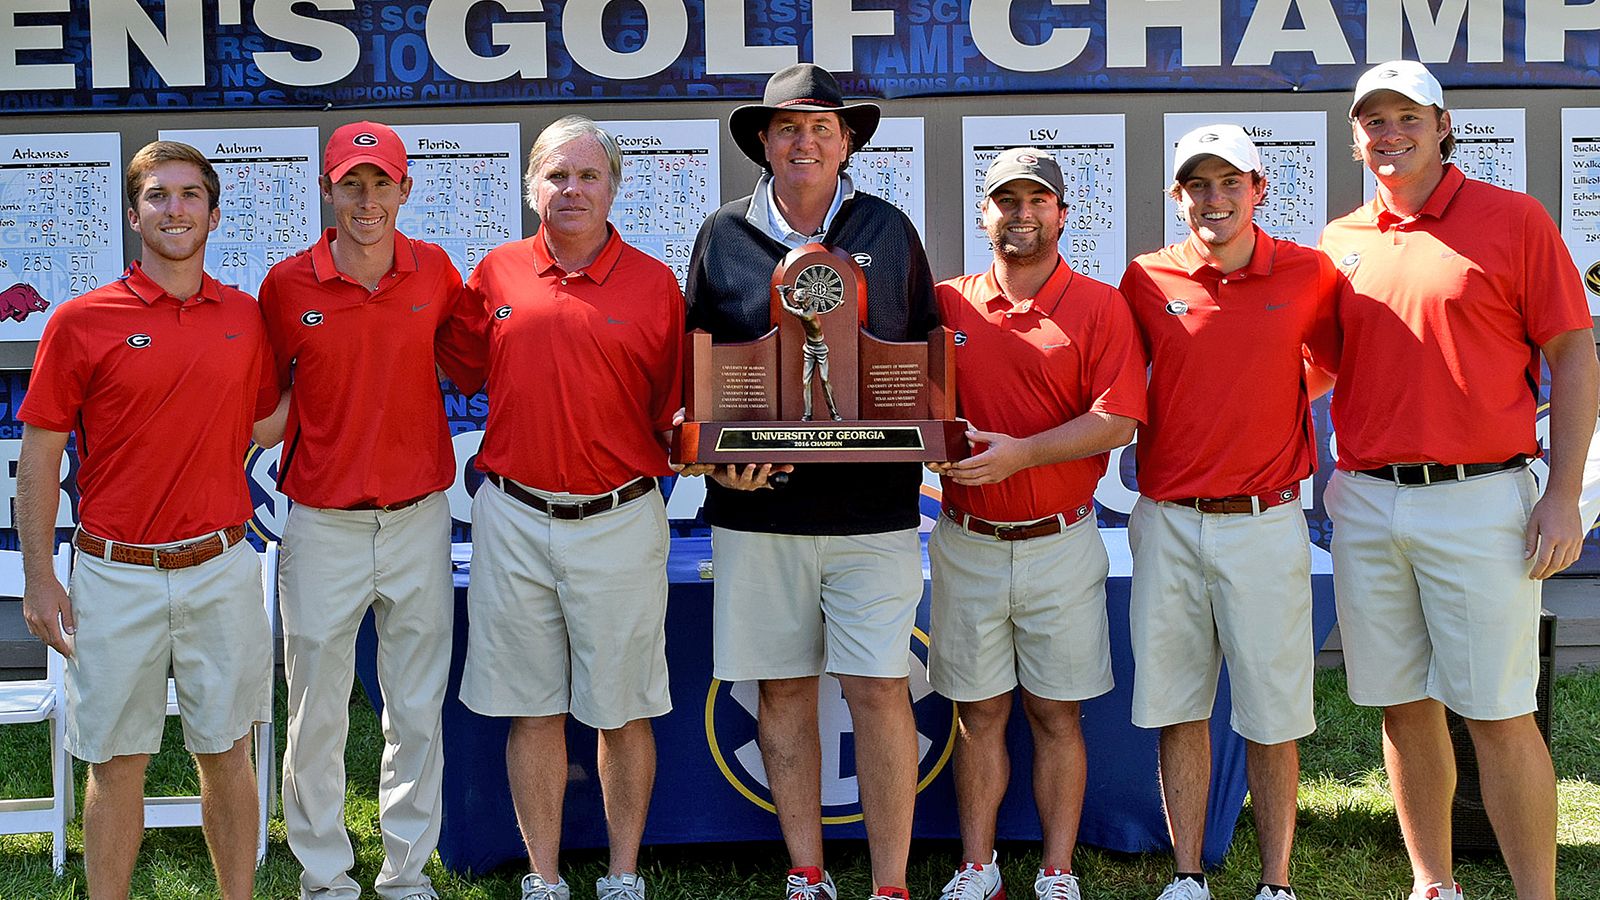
(567, 616)
(1214, 586)
(794, 606)
(205, 624)
(1433, 592)
(1029, 612)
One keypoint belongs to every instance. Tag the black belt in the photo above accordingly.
(1433, 473)
(633, 490)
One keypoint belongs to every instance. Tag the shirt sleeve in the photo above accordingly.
(1135, 282)
(461, 344)
(1552, 291)
(923, 315)
(1116, 369)
(669, 380)
(60, 378)
(268, 386)
(281, 360)
(1324, 339)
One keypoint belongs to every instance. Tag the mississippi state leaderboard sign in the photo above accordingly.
(178, 54)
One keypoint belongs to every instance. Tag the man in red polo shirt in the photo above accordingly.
(569, 585)
(161, 375)
(1226, 316)
(1441, 538)
(1049, 373)
(358, 323)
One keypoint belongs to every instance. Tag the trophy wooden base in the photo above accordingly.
(886, 440)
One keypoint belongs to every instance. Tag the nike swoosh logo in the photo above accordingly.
(423, 306)
(1054, 346)
(611, 321)
(1276, 305)
(234, 335)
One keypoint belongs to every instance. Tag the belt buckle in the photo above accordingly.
(155, 558)
(1000, 531)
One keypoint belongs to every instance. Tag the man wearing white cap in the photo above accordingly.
(1049, 373)
(1221, 554)
(360, 323)
(1441, 538)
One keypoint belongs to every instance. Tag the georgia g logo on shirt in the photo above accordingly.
(138, 341)
(311, 317)
(503, 312)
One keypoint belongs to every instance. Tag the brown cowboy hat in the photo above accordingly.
(806, 88)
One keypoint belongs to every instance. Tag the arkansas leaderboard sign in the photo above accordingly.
(183, 54)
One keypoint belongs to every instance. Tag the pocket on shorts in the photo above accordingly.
(1527, 492)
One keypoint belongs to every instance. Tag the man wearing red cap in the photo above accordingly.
(358, 323)
(161, 374)
(1441, 538)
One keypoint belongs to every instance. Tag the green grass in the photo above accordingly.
(1348, 845)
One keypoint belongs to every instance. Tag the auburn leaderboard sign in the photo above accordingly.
(177, 54)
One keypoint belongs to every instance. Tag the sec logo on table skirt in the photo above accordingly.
(730, 723)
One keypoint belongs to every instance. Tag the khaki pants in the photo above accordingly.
(334, 565)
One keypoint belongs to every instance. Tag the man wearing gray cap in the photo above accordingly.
(1441, 536)
(1049, 373)
(1221, 552)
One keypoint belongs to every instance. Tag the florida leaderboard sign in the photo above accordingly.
(176, 54)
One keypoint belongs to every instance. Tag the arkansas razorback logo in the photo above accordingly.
(17, 301)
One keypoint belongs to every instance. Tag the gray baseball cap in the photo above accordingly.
(1030, 163)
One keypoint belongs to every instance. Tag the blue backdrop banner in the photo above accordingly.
(185, 54)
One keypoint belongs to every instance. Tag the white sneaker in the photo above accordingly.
(809, 884)
(1270, 894)
(1185, 889)
(976, 881)
(534, 887)
(1437, 891)
(627, 886)
(1054, 884)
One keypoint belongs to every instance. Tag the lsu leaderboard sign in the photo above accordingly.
(176, 54)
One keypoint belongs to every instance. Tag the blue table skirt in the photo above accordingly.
(709, 785)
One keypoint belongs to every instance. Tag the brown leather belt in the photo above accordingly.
(1433, 473)
(171, 556)
(393, 507)
(1241, 503)
(1020, 531)
(633, 490)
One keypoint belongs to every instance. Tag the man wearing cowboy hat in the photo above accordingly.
(823, 573)
(1441, 536)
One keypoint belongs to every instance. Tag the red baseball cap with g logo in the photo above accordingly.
(364, 142)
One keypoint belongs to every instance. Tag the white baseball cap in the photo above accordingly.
(1228, 143)
(1403, 76)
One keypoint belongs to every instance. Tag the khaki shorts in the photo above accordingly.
(567, 616)
(205, 624)
(798, 605)
(1027, 612)
(1433, 592)
(1214, 586)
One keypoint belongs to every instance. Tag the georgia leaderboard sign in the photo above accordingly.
(176, 54)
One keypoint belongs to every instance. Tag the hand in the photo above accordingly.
(1003, 458)
(690, 470)
(1554, 537)
(751, 477)
(48, 613)
(938, 468)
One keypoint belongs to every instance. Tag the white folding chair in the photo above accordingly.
(40, 701)
(184, 811)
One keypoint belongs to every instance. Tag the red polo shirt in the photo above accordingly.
(162, 393)
(1026, 368)
(1229, 411)
(366, 418)
(584, 367)
(1440, 361)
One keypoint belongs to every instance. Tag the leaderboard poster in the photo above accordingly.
(466, 188)
(1090, 151)
(61, 221)
(671, 182)
(270, 203)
